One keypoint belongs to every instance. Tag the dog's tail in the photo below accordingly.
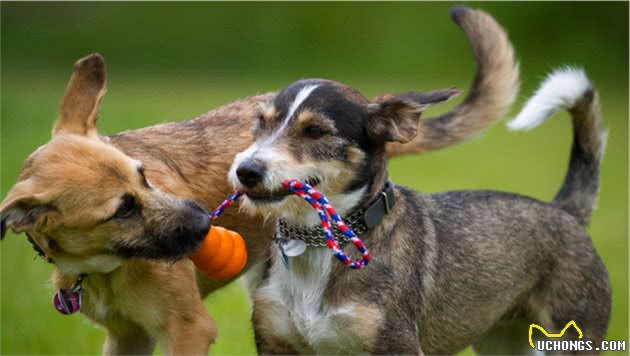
(570, 89)
(493, 90)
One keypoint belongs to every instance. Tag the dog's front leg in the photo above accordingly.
(187, 334)
(272, 328)
(128, 339)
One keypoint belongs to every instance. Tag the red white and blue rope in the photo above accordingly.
(324, 210)
(225, 204)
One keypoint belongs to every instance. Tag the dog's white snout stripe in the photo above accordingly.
(301, 96)
(263, 151)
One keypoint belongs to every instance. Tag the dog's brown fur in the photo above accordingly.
(70, 189)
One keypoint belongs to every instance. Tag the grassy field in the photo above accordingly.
(144, 91)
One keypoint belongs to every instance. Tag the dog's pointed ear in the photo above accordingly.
(22, 210)
(395, 118)
(86, 88)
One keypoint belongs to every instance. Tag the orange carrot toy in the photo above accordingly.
(222, 254)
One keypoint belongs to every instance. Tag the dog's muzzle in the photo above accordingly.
(269, 196)
(250, 173)
(172, 243)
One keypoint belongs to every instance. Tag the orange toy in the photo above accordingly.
(222, 254)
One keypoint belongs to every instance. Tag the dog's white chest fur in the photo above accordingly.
(295, 309)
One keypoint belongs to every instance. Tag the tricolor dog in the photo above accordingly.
(448, 270)
(121, 212)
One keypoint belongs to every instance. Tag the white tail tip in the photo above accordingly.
(559, 91)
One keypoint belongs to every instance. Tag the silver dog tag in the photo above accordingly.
(293, 248)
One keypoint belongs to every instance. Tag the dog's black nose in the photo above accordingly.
(199, 221)
(250, 173)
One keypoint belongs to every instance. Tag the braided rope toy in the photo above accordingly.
(325, 211)
(225, 204)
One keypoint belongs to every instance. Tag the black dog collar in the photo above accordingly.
(360, 220)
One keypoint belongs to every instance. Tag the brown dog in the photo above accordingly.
(122, 210)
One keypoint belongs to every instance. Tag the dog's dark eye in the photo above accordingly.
(127, 207)
(261, 121)
(314, 132)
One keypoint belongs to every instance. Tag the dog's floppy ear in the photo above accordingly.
(86, 88)
(394, 118)
(22, 210)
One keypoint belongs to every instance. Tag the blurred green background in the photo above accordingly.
(172, 61)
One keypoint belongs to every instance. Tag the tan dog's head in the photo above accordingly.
(85, 203)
